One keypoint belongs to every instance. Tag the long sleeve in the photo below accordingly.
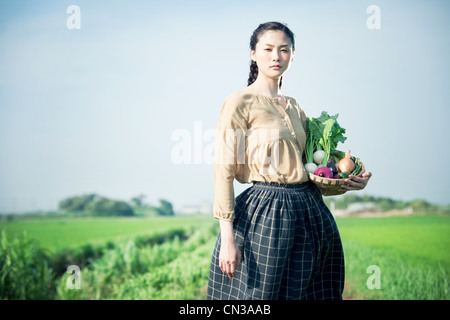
(229, 154)
(256, 140)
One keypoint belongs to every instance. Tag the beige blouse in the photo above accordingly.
(256, 140)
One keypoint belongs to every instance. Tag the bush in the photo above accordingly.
(170, 265)
(147, 269)
(24, 269)
(81, 256)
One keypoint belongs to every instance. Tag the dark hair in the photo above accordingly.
(268, 26)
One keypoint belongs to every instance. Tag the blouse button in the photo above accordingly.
(293, 133)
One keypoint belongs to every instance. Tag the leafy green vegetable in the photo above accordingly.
(312, 141)
(357, 168)
(355, 171)
(338, 154)
(323, 133)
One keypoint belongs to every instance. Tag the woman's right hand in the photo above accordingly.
(229, 255)
(229, 258)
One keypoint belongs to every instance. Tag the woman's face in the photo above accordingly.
(273, 54)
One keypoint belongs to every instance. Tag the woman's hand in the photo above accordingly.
(356, 183)
(229, 258)
(229, 255)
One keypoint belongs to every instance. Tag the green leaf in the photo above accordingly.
(324, 133)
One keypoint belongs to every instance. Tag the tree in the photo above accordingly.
(386, 204)
(420, 205)
(78, 203)
(165, 208)
(96, 205)
(138, 200)
(106, 207)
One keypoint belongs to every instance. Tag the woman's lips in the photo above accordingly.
(275, 67)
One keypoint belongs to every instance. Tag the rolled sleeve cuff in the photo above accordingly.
(227, 216)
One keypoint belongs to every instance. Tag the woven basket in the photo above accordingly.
(331, 184)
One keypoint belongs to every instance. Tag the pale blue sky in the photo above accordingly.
(94, 109)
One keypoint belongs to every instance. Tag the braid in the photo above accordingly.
(253, 73)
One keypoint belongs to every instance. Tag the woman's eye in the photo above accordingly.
(268, 49)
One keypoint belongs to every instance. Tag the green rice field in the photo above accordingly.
(145, 258)
(61, 233)
(412, 254)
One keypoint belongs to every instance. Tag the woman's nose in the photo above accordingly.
(275, 56)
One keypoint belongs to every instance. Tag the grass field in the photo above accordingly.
(61, 233)
(411, 254)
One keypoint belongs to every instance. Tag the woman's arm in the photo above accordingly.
(229, 256)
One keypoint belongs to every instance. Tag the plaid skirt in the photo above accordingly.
(290, 246)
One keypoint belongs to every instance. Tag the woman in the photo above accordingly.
(277, 239)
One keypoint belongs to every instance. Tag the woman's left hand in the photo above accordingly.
(356, 183)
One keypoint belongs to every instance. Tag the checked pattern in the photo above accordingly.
(290, 245)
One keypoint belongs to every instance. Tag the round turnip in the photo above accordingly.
(318, 156)
(311, 167)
